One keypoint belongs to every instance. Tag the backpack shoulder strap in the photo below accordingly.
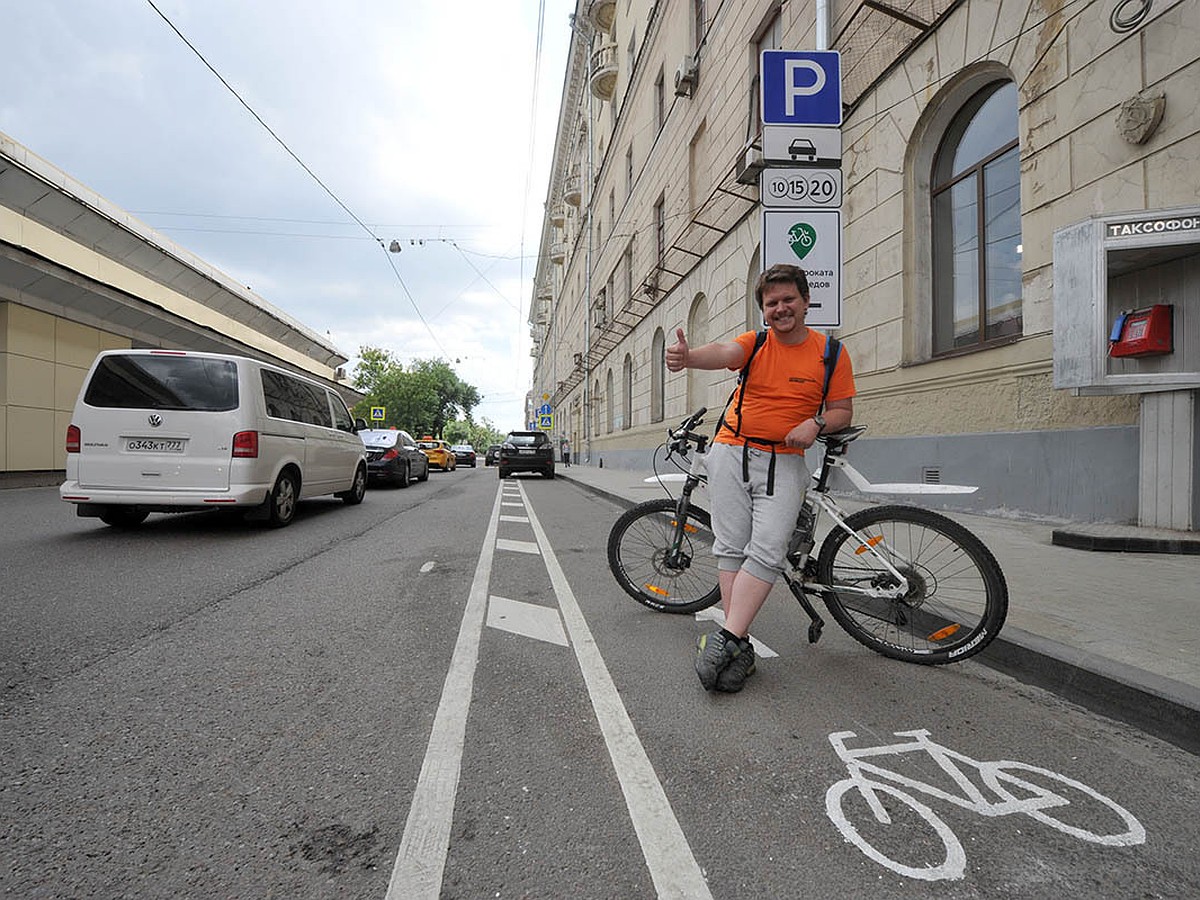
(833, 350)
(759, 339)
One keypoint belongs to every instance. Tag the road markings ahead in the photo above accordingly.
(673, 868)
(421, 859)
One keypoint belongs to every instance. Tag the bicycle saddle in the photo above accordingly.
(842, 438)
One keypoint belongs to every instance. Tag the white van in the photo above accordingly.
(170, 430)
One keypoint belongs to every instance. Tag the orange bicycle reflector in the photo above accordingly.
(942, 633)
(687, 526)
(654, 589)
(871, 542)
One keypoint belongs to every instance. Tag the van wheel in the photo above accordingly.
(281, 505)
(124, 518)
(358, 490)
(405, 475)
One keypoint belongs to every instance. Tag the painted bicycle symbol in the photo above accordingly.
(1044, 796)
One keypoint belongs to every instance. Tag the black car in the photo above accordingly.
(526, 451)
(492, 456)
(464, 454)
(393, 456)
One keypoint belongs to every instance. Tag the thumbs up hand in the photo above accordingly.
(677, 353)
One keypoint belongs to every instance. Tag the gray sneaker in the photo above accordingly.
(713, 653)
(733, 677)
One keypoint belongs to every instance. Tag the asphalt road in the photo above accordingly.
(442, 692)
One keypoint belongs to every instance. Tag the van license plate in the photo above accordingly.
(150, 445)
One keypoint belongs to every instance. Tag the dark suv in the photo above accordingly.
(526, 451)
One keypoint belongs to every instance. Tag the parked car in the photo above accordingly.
(172, 431)
(439, 453)
(492, 456)
(464, 454)
(526, 451)
(394, 457)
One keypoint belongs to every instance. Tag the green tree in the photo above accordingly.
(423, 399)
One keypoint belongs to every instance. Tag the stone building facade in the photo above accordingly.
(978, 136)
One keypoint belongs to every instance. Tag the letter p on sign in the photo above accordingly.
(793, 88)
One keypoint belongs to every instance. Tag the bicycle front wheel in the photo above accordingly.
(641, 558)
(956, 599)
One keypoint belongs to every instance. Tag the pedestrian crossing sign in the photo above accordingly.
(378, 413)
(546, 421)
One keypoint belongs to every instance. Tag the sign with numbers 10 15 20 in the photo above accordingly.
(787, 188)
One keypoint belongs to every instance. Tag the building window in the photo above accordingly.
(627, 391)
(658, 375)
(660, 230)
(975, 192)
(660, 104)
(628, 295)
(608, 408)
(629, 172)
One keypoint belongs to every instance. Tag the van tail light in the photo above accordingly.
(391, 453)
(245, 445)
(73, 438)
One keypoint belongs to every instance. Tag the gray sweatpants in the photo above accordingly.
(751, 530)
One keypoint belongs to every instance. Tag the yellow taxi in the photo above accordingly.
(439, 453)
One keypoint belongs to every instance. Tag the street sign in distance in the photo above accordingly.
(812, 240)
(802, 145)
(797, 188)
(801, 87)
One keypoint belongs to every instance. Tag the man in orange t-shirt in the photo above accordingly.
(756, 471)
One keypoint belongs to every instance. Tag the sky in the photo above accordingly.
(430, 123)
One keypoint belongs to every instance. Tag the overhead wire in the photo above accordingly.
(305, 167)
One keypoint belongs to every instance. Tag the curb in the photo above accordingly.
(1167, 709)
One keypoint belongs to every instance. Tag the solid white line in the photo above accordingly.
(673, 868)
(421, 859)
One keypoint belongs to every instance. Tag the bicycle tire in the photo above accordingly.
(957, 599)
(637, 546)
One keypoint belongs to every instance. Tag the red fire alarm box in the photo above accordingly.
(1142, 332)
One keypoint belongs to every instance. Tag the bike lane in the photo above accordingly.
(1008, 791)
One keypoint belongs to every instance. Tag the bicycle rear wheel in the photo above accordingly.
(956, 600)
(638, 555)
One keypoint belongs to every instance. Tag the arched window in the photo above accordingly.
(658, 374)
(975, 192)
(597, 407)
(627, 392)
(609, 402)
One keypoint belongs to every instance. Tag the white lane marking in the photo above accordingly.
(427, 567)
(512, 504)
(421, 859)
(517, 546)
(716, 614)
(673, 867)
(514, 519)
(527, 619)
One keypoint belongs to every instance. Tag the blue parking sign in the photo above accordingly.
(801, 87)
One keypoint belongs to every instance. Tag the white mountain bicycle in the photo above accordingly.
(907, 582)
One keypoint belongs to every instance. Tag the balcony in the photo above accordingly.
(572, 189)
(558, 216)
(604, 71)
(558, 252)
(602, 14)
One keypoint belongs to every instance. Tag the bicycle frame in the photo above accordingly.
(799, 575)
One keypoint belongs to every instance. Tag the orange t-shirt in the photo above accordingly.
(783, 388)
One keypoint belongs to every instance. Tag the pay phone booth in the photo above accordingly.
(1127, 320)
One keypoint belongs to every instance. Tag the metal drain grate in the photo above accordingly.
(931, 475)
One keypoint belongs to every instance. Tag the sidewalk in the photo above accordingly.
(1118, 633)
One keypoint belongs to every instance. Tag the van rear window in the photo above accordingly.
(164, 382)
